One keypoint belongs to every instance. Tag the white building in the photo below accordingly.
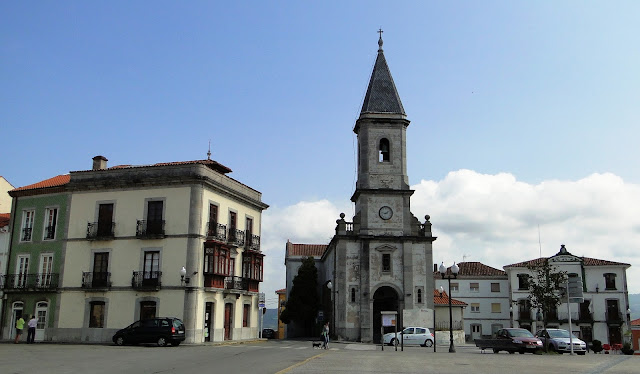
(485, 290)
(604, 314)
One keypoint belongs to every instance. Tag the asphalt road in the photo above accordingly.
(277, 356)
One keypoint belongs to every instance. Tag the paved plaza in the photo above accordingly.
(278, 356)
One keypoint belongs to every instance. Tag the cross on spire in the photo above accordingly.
(380, 40)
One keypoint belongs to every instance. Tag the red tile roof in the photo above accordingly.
(443, 299)
(475, 269)
(635, 322)
(585, 260)
(306, 250)
(4, 219)
(282, 290)
(56, 181)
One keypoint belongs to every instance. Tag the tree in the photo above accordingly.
(303, 302)
(546, 288)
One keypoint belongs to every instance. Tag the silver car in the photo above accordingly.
(557, 340)
(412, 336)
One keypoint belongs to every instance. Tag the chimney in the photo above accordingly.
(99, 163)
(435, 268)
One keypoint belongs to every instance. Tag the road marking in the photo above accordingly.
(300, 363)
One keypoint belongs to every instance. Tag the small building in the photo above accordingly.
(442, 321)
(635, 334)
(486, 292)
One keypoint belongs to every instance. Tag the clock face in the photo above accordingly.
(386, 212)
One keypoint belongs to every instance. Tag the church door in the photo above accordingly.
(384, 299)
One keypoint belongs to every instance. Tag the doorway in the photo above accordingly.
(41, 315)
(228, 320)
(384, 299)
(147, 309)
(476, 331)
(16, 313)
(208, 322)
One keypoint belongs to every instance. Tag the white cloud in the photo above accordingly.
(488, 218)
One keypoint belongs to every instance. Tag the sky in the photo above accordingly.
(524, 115)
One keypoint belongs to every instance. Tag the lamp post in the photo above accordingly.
(453, 275)
(183, 272)
(330, 287)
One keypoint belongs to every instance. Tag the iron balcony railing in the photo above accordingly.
(39, 281)
(97, 279)
(100, 230)
(150, 229)
(145, 280)
(524, 315)
(217, 231)
(252, 243)
(236, 283)
(614, 317)
(26, 234)
(236, 237)
(49, 232)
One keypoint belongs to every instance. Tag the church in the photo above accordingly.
(382, 259)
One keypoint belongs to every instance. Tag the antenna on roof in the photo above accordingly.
(539, 242)
(464, 258)
(209, 151)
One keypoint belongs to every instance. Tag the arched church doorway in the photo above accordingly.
(384, 299)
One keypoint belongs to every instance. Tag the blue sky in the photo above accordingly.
(540, 91)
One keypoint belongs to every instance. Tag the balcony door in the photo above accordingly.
(154, 217)
(46, 268)
(22, 269)
(151, 268)
(100, 269)
(105, 220)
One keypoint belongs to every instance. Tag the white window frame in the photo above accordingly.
(474, 289)
(22, 270)
(47, 222)
(45, 269)
(455, 287)
(475, 308)
(28, 217)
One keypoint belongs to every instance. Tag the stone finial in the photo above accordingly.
(427, 218)
(341, 215)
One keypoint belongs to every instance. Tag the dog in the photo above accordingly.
(316, 345)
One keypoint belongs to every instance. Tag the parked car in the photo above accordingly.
(268, 333)
(515, 340)
(558, 340)
(161, 331)
(412, 336)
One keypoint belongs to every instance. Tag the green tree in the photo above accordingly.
(303, 303)
(546, 288)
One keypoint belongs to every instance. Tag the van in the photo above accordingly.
(160, 331)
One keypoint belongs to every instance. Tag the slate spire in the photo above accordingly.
(382, 96)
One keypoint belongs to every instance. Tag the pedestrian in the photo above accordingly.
(325, 335)
(19, 327)
(31, 333)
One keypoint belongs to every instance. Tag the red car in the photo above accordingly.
(517, 340)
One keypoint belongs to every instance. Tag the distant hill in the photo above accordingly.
(271, 319)
(634, 305)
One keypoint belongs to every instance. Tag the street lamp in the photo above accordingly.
(333, 309)
(454, 275)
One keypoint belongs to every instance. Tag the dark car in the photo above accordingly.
(268, 333)
(160, 331)
(517, 340)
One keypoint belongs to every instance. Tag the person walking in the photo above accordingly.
(31, 333)
(19, 327)
(325, 335)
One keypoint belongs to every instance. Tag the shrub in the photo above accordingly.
(596, 346)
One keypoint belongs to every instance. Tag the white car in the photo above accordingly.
(557, 340)
(412, 336)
